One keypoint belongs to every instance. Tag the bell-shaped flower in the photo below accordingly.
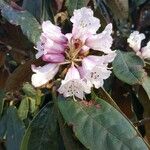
(101, 42)
(73, 85)
(43, 74)
(135, 40)
(84, 23)
(95, 68)
(145, 51)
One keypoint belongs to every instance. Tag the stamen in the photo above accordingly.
(64, 63)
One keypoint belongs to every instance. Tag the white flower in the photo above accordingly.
(95, 68)
(146, 51)
(84, 22)
(101, 42)
(135, 40)
(43, 74)
(72, 85)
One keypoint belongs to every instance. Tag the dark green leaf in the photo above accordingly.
(15, 129)
(23, 108)
(146, 86)
(34, 7)
(3, 125)
(42, 132)
(100, 126)
(75, 4)
(47, 11)
(29, 25)
(139, 2)
(2, 94)
(128, 67)
(70, 142)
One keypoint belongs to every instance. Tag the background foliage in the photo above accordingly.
(116, 117)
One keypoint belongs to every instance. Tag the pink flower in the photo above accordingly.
(54, 58)
(73, 85)
(73, 49)
(135, 40)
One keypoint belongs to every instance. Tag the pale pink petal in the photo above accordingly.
(101, 42)
(104, 59)
(84, 22)
(53, 32)
(97, 75)
(145, 51)
(43, 74)
(53, 58)
(52, 47)
(73, 85)
(135, 40)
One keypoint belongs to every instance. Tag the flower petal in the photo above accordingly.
(83, 22)
(145, 51)
(101, 42)
(53, 58)
(73, 85)
(72, 73)
(96, 75)
(43, 74)
(135, 40)
(53, 32)
(52, 47)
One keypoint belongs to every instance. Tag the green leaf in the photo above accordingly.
(29, 25)
(32, 105)
(29, 90)
(139, 2)
(23, 108)
(70, 142)
(99, 126)
(34, 7)
(75, 4)
(42, 131)
(47, 12)
(2, 95)
(146, 86)
(3, 125)
(15, 129)
(128, 68)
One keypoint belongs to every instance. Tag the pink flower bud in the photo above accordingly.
(53, 58)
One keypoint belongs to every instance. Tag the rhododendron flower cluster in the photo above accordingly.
(73, 54)
(135, 40)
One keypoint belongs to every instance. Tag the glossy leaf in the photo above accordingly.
(1, 101)
(75, 4)
(100, 126)
(146, 86)
(70, 142)
(15, 129)
(29, 25)
(3, 125)
(128, 68)
(42, 131)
